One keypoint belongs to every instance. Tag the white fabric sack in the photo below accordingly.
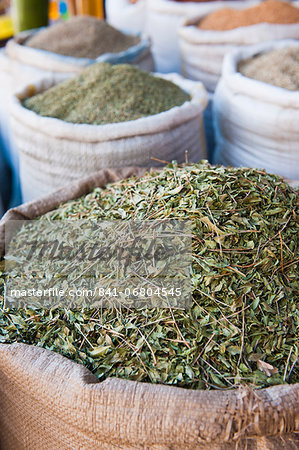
(30, 64)
(164, 18)
(256, 124)
(203, 50)
(127, 17)
(54, 152)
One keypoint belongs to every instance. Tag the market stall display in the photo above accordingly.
(248, 318)
(216, 366)
(256, 122)
(143, 120)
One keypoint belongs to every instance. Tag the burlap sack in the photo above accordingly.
(48, 402)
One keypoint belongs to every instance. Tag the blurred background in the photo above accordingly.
(17, 16)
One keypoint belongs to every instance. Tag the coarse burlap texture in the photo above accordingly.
(203, 51)
(163, 20)
(53, 152)
(256, 123)
(31, 64)
(49, 402)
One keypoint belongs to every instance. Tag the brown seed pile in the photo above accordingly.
(82, 37)
(270, 11)
(279, 67)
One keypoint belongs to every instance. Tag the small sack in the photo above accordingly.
(30, 64)
(53, 152)
(256, 123)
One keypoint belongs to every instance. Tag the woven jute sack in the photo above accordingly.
(256, 124)
(203, 51)
(30, 64)
(53, 152)
(49, 402)
(163, 20)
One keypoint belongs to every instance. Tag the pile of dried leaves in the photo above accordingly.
(242, 326)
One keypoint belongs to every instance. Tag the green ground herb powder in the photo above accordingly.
(82, 37)
(242, 326)
(104, 94)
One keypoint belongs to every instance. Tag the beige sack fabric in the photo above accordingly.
(49, 402)
(53, 152)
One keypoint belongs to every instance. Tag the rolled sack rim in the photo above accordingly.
(16, 49)
(250, 34)
(191, 8)
(156, 123)
(228, 416)
(249, 87)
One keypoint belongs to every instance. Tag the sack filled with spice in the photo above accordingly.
(256, 119)
(64, 49)
(238, 338)
(205, 40)
(108, 116)
(164, 17)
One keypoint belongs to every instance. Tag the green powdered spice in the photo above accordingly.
(104, 94)
(82, 37)
(242, 326)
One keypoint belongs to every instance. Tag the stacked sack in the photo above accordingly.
(205, 39)
(57, 53)
(106, 117)
(256, 109)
